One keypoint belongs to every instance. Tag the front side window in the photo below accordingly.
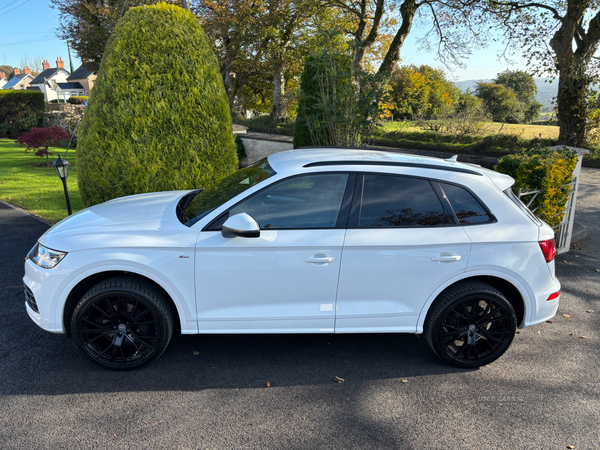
(304, 202)
(198, 204)
(390, 201)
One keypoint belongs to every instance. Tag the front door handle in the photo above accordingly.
(319, 258)
(446, 258)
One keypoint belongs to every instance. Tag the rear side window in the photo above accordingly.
(393, 201)
(467, 208)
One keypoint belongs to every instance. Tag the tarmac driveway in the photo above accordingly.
(211, 391)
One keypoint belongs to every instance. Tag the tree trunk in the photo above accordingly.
(278, 114)
(572, 85)
(363, 45)
(571, 108)
(407, 11)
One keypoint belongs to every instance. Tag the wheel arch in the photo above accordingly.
(88, 282)
(511, 289)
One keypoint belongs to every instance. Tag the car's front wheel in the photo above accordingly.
(122, 323)
(470, 325)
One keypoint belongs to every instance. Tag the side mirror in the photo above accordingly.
(241, 225)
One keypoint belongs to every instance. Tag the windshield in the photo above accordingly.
(197, 204)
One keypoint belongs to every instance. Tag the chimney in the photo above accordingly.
(2, 76)
(17, 72)
(60, 64)
(46, 64)
(26, 70)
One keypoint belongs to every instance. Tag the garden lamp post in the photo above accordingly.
(62, 169)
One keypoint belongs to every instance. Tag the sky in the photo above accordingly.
(27, 28)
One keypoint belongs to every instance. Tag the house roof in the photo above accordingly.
(81, 73)
(16, 80)
(48, 73)
(69, 86)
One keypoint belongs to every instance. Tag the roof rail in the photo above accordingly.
(392, 163)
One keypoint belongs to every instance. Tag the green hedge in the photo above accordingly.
(77, 99)
(157, 118)
(546, 170)
(20, 111)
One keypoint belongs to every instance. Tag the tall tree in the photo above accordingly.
(524, 86)
(451, 27)
(236, 35)
(87, 24)
(559, 37)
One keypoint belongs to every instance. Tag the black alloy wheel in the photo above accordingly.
(470, 325)
(122, 323)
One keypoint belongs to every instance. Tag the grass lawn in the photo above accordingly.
(34, 188)
(523, 131)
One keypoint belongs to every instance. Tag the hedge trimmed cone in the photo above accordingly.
(157, 118)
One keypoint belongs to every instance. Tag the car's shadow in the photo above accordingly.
(50, 364)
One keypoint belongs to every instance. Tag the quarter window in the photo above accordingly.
(310, 201)
(467, 208)
(394, 201)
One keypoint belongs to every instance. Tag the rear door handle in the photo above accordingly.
(319, 258)
(446, 258)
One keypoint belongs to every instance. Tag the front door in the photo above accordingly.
(284, 281)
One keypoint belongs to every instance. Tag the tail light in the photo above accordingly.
(548, 249)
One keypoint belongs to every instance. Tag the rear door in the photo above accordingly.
(403, 241)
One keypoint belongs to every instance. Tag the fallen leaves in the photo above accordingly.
(338, 380)
(549, 321)
(195, 353)
(590, 311)
(268, 384)
(567, 316)
(404, 381)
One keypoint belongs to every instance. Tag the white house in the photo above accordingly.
(48, 81)
(20, 81)
(3, 80)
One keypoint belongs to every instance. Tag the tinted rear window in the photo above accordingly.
(394, 201)
(467, 208)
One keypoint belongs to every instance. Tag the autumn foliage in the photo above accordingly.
(40, 139)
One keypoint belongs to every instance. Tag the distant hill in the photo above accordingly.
(546, 90)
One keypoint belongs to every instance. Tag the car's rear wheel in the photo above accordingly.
(470, 325)
(122, 323)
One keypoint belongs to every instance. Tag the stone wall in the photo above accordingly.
(66, 118)
(257, 149)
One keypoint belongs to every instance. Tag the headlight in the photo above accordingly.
(45, 257)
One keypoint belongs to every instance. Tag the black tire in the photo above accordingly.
(122, 323)
(470, 325)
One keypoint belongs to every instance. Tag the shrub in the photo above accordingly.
(343, 107)
(241, 150)
(157, 118)
(20, 111)
(39, 139)
(546, 170)
(77, 100)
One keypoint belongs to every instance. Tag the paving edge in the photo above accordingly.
(18, 208)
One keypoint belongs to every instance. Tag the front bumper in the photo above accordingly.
(46, 286)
